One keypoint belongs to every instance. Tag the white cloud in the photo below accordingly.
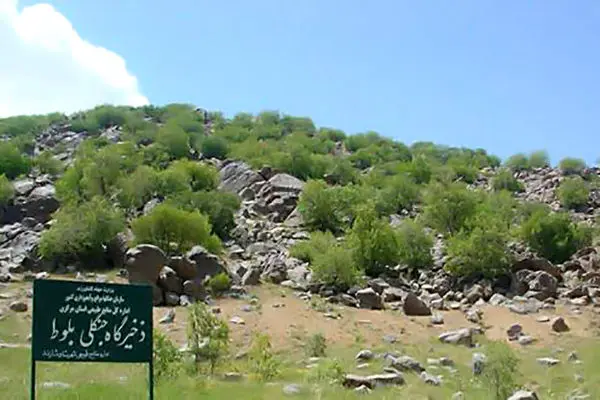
(45, 66)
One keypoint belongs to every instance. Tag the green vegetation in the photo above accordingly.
(219, 283)
(6, 190)
(208, 336)
(572, 166)
(573, 192)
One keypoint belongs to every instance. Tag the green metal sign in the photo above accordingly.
(91, 322)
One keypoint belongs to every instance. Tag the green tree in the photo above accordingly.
(335, 266)
(399, 193)
(573, 192)
(323, 207)
(166, 225)
(448, 207)
(214, 147)
(539, 159)
(504, 180)
(572, 166)
(517, 162)
(414, 245)
(137, 188)
(12, 162)
(174, 139)
(318, 243)
(81, 229)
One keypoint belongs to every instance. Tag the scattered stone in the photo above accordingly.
(365, 355)
(430, 379)
(391, 339)
(543, 318)
(55, 385)
(18, 306)
(523, 395)
(559, 325)
(233, 377)
(473, 315)
(168, 318)
(42, 275)
(462, 336)
(368, 298)
(370, 381)
(478, 363)
(292, 389)
(514, 331)
(437, 319)
(363, 389)
(497, 299)
(548, 361)
(458, 396)
(362, 366)
(526, 340)
(573, 357)
(246, 308)
(237, 320)
(406, 363)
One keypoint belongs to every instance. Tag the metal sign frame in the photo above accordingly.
(76, 321)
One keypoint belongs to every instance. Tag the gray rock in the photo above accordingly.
(406, 363)
(523, 395)
(437, 319)
(237, 320)
(462, 336)
(548, 361)
(514, 331)
(362, 390)
(18, 306)
(559, 325)
(431, 379)
(526, 340)
(207, 264)
(368, 298)
(371, 381)
(365, 355)
(169, 281)
(414, 306)
(478, 363)
(233, 377)
(237, 176)
(55, 385)
(144, 263)
(251, 277)
(183, 267)
(292, 389)
(168, 318)
(172, 299)
(497, 299)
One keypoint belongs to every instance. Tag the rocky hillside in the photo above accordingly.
(118, 165)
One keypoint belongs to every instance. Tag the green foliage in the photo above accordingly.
(373, 242)
(48, 164)
(167, 358)
(553, 235)
(174, 139)
(414, 245)
(28, 124)
(167, 226)
(208, 335)
(500, 372)
(330, 371)
(7, 190)
(336, 267)
(214, 147)
(316, 345)
(504, 180)
(517, 162)
(318, 243)
(12, 162)
(399, 193)
(573, 192)
(263, 361)
(572, 166)
(539, 159)
(201, 176)
(325, 208)
(81, 229)
(447, 207)
(137, 188)
(219, 283)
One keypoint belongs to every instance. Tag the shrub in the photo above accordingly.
(554, 236)
(322, 207)
(166, 225)
(174, 139)
(448, 207)
(214, 147)
(208, 335)
(500, 371)
(12, 163)
(517, 162)
(573, 192)
(201, 176)
(262, 360)
(481, 252)
(414, 245)
(571, 166)
(81, 229)
(539, 159)
(167, 358)
(7, 191)
(505, 180)
(336, 267)
(318, 243)
(48, 164)
(373, 242)
(219, 283)
(399, 193)
(330, 371)
(316, 345)
(137, 188)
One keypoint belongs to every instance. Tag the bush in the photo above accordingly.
(481, 252)
(517, 162)
(12, 163)
(81, 229)
(219, 283)
(539, 159)
(323, 208)
(399, 193)
(166, 225)
(414, 245)
(262, 360)
(318, 243)
(167, 358)
(208, 335)
(554, 236)
(571, 166)
(48, 164)
(174, 139)
(201, 176)
(316, 345)
(330, 371)
(500, 371)
(336, 267)
(505, 180)
(7, 191)
(373, 242)
(447, 207)
(214, 147)
(573, 192)
(137, 188)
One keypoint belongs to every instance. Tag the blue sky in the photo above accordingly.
(507, 76)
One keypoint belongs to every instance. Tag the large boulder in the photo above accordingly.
(169, 281)
(117, 248)
(368, 298)
(206, 263)
(371, 381)
(236, 176)
(414, 306)
(144, 263)
(537, 264)
(40, 204)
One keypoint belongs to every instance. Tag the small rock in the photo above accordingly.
(578, 378)
(237, 320)
(548, 361)
(543, 318)
(478, 363)
(437, 319)
(246, 308)
(18, 306)
(406, 363)
(42, 275)
(362, 389)
(168, 318)
(362, 366)
(55, 385)
(458, 396)
(365, 355)
(559, 325)
(523, 395)
(292, 389)
(391, 339)
(462, 336)
(233, 377)
(430, 379)
(573, 357)
(414, 306)
(526, 340)
(514, 331)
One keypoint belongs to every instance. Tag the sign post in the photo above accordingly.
(91, 322)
